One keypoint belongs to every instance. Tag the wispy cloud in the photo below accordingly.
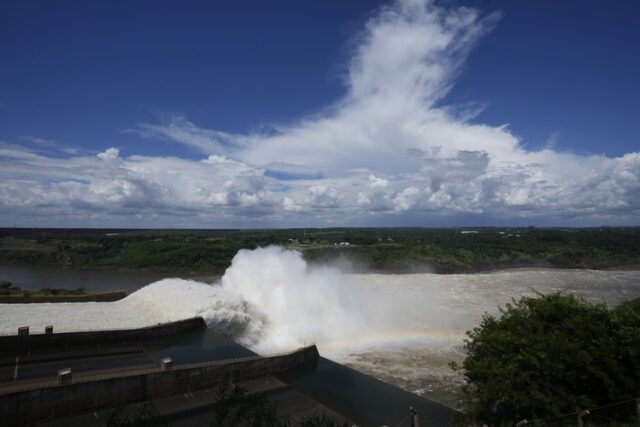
(176, 127)
(390, 148)
(50, 145)
(552, 141)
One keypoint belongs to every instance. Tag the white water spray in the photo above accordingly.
(269, 299)
(301, 305)
(401, 328)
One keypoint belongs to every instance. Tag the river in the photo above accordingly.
(35, 277)
(401, 328)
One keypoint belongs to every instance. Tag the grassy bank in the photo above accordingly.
(379, 249)
(8, 289)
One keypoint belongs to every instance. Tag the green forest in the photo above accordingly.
(447, 250)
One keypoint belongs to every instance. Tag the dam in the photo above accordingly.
(372, 329)
(400, 329)
(107, 369)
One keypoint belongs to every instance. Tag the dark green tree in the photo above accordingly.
(550, 355)
(235, 407)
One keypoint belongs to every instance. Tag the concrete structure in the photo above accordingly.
(166, 363)
(29, 403)
(44, 364)
(198, 408)
(24, 343)
(64, 376)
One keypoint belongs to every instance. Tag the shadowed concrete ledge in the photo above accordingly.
(26, 343)
(33, 402)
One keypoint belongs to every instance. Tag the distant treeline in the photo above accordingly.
(8, 289)
(446, 250)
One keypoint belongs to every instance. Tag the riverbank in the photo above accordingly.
(391, 250)
(17, 270)
(35, 298)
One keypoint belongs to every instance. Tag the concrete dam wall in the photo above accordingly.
(22, 343)
(29, 403)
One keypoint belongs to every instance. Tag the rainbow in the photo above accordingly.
(395, 339)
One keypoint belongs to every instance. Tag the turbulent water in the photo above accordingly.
(404, 329)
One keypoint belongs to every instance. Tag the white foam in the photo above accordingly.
(270, 300)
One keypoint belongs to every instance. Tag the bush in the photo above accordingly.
(550, 355)
(7, 288)
(234, 407)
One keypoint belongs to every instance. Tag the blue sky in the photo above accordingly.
(259, 114)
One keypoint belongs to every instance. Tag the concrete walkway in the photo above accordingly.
(42, 365)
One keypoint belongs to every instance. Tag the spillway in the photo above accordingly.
(403, 329)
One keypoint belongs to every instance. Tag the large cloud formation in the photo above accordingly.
(389, 152)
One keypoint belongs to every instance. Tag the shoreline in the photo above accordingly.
(34, 298)
(439, 270)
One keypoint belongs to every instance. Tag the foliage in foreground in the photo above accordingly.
(144, 415)
(233, 407)
(550, 355)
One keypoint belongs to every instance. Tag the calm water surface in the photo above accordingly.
(34, 278)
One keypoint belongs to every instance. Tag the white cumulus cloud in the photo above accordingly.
(391, 149)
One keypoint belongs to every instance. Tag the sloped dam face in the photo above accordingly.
(403, 329)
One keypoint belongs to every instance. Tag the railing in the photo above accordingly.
(627, 410)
